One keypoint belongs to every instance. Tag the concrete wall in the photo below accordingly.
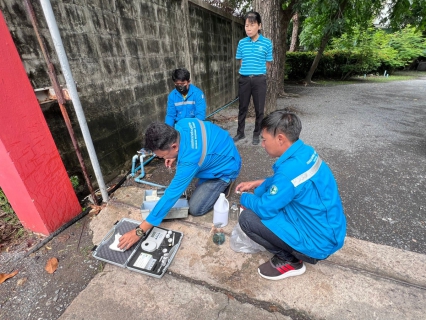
(121, 55)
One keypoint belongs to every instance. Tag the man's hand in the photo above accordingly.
(128, 239)
(169, 162)
(249, 185)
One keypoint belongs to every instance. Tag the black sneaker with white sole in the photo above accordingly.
(277, 269)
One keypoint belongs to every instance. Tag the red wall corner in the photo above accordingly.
(32, 174)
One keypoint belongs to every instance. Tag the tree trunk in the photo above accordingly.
(337, 15)
(317, 59)
(287, 14)
(274, 26)
(295, 33)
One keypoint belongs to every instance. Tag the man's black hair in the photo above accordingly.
(181, 74)
(283, 121)
(160, 136)
(253, 17)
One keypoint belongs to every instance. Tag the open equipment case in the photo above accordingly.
(151, 255)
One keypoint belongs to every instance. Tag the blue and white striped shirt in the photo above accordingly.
(254, 55)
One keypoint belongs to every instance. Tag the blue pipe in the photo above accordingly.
(221, 108)
(149, 183)
(141, 168)
(134, 170)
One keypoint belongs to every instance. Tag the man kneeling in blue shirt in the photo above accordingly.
(296, 214)
(186, 100)
(202, 150)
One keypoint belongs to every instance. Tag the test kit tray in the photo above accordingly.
(152, 255)
(150, 199)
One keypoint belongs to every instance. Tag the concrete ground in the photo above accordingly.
(373, 137)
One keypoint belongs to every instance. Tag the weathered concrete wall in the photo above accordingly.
(121, 55)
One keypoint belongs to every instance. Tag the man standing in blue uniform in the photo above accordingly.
(255, 53)
(296, 214)
(186, 100)
(201, 150)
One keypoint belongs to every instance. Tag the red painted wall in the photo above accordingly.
(32, 174)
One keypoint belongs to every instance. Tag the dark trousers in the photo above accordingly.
(251, 87)
(253, 227)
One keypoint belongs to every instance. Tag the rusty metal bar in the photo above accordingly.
(60, 98)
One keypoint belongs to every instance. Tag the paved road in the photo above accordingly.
(374, 138)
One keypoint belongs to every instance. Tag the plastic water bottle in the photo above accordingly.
(220, 211)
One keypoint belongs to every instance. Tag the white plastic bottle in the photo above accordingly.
(220, 211)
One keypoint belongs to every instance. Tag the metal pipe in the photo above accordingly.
(60, 98)
(60, 51)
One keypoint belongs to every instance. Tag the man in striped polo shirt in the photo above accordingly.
(186, 100)
(255, 53)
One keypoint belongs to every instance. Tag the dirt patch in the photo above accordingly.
(35, 294)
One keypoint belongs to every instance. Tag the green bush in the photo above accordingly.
(75, 182)
(334, 64)
(4, 203)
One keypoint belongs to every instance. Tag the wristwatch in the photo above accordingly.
(140, 232)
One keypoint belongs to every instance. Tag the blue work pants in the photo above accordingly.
(205, 195)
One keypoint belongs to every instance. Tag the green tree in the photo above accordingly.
(409, 44)
(235, 7)
(329, 18)
(375, 48)
(406, 12)
(276, 15)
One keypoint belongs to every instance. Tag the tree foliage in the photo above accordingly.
(360, 52)
(406, 12)
(235, 7)
(394, 50)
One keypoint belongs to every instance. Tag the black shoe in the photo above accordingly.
(276, 269)
(256, 140)
(238, 137)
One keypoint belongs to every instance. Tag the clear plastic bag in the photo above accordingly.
(240, 242)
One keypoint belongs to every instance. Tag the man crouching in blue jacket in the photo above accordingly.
(296, 214)
(201, 150)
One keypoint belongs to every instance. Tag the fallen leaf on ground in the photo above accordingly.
(63, 238)
(230, 297)
(96, 208)
(30, 242)
(51, 265)
(21, 281)
(5, 276)
(273, 308)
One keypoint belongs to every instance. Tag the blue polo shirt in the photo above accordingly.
(193, 105)
(222, 161)
(300, 203)
(254, 55)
